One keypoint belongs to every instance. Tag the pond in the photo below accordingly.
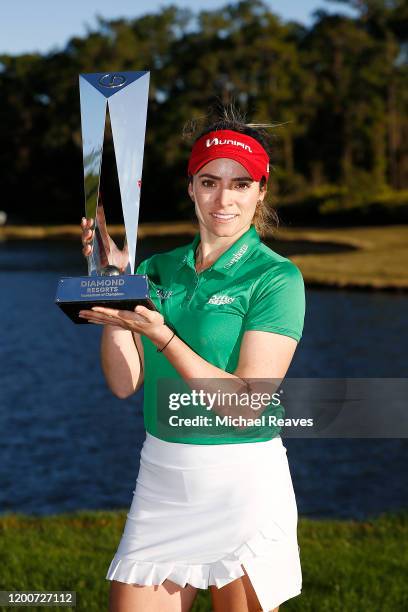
(68, 443)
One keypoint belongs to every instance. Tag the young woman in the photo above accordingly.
(210, 510)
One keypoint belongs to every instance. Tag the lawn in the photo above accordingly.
(378, 261)
(347, 566)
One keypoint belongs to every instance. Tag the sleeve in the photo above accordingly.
(142, 267)
(277, 303)
(148, 266)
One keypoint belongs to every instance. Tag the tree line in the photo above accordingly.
(337, 91)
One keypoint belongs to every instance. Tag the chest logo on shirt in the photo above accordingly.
(220, 299)
(163, 294)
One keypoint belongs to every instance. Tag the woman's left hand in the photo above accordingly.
(142, 320)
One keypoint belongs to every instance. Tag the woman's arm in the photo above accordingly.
(121, 350)
(263, 355)
(122, 360)
(264, 359)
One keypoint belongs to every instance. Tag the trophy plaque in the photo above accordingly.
(116, 101)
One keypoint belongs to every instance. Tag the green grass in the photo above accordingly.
(378, 261)
(348, 566)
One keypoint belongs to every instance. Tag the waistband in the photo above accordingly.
(176, 454)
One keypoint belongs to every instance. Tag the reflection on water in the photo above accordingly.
(68, 443)
(65, 256)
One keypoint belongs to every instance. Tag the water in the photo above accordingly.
(67, 443)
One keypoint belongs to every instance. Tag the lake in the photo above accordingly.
(67, 443)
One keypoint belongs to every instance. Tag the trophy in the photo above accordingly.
(111, 282)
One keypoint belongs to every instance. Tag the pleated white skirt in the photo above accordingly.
(202, 513)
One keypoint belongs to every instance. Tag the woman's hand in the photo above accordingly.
(87, 236)
(110, 254)
(142, 320)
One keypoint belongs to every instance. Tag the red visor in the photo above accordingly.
(234, 145)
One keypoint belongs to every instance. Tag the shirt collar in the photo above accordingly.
(231, 259)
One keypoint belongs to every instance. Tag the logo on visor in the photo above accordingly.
(224, 141)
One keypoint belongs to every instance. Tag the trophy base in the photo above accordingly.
(123, 292)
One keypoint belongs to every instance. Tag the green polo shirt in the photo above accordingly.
(249, 287)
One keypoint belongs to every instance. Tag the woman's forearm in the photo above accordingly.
(201, 375)
(188, 363)
(121, 363)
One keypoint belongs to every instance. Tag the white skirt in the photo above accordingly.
(201, 513)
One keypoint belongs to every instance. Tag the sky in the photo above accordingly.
(46, 25)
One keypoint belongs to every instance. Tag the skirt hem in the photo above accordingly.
(261, 555)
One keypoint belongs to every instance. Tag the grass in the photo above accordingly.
(348, 566)
(377, 260)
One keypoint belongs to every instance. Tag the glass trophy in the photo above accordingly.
(113, 111)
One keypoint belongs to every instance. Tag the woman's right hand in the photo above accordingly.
(87, 236)
(109, 252)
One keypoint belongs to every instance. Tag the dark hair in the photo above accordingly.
(229, 117)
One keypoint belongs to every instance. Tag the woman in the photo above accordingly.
(211, 509)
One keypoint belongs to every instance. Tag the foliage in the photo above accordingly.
(339, 89)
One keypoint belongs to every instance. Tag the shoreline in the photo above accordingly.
(48, 232)
(375, 261)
